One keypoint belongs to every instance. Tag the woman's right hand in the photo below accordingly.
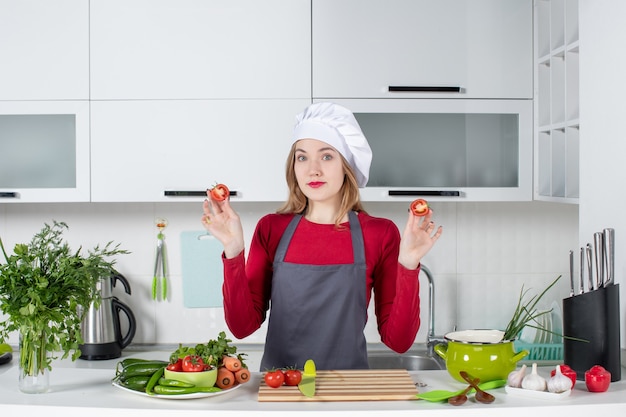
(222, 222)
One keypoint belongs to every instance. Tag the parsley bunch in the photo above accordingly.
(45, 289)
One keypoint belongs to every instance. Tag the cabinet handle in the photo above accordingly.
(8, 194)
(179, 193)
(424, 89)
(416, 193)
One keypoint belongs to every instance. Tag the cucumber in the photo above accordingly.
(136, 383)
(166, 390)
(147, 368)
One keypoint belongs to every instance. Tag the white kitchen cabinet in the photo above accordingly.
(44, 49)
(483, 48)
(199, 49)
(557, 136)
(143, 149)
(44, 151)
(447, 150)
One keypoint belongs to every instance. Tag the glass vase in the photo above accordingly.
(34, 374)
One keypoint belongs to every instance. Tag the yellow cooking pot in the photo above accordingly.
(481, 353)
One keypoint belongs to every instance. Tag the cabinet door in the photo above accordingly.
(141, 149)
(362, 47)
(44, 50)
(44, 151)
(197, 49)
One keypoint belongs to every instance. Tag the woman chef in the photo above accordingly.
(316, 261)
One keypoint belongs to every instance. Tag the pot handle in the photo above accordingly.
(132, 324)
(442, 350)
(519, 355)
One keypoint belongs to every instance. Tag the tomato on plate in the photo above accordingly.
(274, 378)
(292, 377)
(419, 207)
(220, 192)
(193, 363)
(176, 366)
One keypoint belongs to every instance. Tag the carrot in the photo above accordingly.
(231, 363)
(242, 376)
(225, 378)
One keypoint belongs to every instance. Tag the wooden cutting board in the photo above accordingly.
(349, 385)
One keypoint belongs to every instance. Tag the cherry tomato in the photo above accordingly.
(274, 378)
(193, 363)
(176, 366)
(597, 379)
(568, 372)
(220, 192)
(419, 207)
(292, 377)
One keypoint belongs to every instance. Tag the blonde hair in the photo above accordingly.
(297, 202)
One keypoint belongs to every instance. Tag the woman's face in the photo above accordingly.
(319, 170)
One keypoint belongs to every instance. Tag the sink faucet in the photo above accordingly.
(431, 339)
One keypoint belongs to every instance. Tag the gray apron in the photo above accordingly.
(318, 311)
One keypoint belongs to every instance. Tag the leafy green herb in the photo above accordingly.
(45, 289)
(526, 313)
(210, 352)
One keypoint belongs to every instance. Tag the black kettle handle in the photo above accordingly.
(119, 277)
(132, 324)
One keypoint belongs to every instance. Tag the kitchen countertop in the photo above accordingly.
(84, 388)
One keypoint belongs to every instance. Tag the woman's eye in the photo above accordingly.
(327, 157)
(300, 158)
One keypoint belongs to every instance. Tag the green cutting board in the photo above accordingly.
(202, 269)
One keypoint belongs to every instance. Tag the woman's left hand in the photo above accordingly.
(419, 236)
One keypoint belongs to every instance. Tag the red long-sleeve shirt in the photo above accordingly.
(247, 286)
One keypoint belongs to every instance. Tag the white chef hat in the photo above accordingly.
(336, 125)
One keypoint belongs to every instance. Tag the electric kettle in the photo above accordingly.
(101, 329)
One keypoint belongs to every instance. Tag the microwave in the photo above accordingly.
(447, 149)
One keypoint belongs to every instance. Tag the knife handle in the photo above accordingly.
(609, 252)
(598, 242)
(581, 288)
(590, 266)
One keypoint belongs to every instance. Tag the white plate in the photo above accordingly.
(544, 395)
(177, 397)
(557, 323)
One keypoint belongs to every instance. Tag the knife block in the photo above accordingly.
(595, 317)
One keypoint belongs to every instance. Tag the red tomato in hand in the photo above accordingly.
(176, 366)
(274, 378)
(220, 192)
(597, 379)
(568, 372)
(292, 377)
(193, 363)
(419, 207)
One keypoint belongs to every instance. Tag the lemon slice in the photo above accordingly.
(6, 348)
(309, 368)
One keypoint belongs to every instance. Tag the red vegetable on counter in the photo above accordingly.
(597, 379)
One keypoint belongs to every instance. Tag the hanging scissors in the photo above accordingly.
(160, 263)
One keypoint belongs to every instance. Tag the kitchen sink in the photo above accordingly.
(408, 361)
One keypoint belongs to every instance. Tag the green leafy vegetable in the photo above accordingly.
(210, 352)
(45, 289)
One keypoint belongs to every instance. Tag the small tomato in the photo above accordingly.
(176, 366)
(193, 363)
(419, 207)
(292, 377)
(597, 379)
(568, 372)
(274, 378)
(220, 192)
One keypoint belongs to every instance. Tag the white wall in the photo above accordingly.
(487, 252)
(602, 132)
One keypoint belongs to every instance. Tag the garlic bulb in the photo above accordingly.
(559, 382)
(514, 380)
(534, 381)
